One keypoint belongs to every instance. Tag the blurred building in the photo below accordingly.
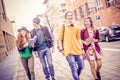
(55, 13)
(103, 12)
(64, 6)
(7, 38)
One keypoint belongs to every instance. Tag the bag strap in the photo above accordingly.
(43, 28)
(63, 32)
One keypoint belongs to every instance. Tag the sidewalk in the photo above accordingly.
(62, 71)
(109, 71)
(8, 65)
(12, 69)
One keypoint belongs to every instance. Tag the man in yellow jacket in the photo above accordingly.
(71, 47)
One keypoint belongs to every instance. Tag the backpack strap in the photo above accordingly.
(47, 36)
(63, 32)
(62, 38)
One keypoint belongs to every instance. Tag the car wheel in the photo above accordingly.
(107, 39)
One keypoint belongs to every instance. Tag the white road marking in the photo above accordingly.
(109, 49)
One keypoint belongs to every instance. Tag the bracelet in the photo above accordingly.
(61, 50)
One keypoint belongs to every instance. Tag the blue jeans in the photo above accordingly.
(76, 64)
(46, 61)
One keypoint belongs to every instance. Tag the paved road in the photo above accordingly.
(111, 45)
(110, 69)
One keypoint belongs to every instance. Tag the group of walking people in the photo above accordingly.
(74, 43)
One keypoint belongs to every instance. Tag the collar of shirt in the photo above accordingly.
(70, 25)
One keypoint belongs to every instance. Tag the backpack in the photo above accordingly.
(47, 36)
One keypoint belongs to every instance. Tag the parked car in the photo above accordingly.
(108, 33)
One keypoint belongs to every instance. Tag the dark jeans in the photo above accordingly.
(46, 61)
(28, 64)
(76, 64)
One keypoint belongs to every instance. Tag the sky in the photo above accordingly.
(23, 11)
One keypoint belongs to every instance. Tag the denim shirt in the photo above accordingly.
(40, 42)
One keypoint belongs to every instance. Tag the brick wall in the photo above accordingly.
(7, 38)
(108, 15)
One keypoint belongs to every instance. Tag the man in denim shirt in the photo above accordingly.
(42, 47)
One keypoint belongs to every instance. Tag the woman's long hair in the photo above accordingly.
(92, 25)
(22, 40)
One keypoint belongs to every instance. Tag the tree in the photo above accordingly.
(46, 21)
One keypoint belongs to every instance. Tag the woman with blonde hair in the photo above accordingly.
(90, 39)
(25, 51)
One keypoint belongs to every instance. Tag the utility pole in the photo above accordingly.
(98, 13)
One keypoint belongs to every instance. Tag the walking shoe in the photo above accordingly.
(98, 75)
(53, 78)
(48, 79)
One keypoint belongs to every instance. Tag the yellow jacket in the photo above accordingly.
(71, 40)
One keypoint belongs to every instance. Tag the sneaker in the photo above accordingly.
(48, 79)
(98, 75)
(53, 78)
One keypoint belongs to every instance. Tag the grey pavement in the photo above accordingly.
(110, 69)
(8, 65)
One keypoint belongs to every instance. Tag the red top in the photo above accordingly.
(85, 35)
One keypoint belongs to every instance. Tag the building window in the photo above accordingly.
(99, 4)
(73, 1)
(82, 11)
(64, 10)
(89, 10)
(112, 2)
(77, 16)
(91, 4)
(63, 5)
